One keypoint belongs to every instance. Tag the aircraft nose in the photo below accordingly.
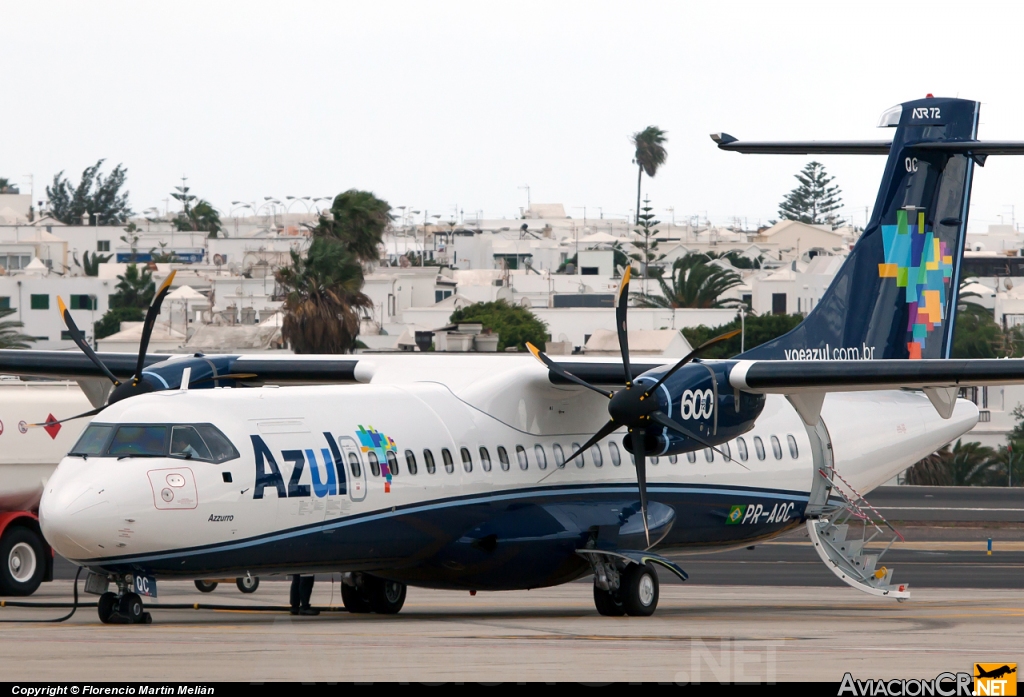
(71, 516)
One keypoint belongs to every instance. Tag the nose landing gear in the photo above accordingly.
(123, 607)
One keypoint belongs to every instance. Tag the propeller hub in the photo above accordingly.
(130, 388)
(630, 407)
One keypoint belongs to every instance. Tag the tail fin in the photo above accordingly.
(896, 294)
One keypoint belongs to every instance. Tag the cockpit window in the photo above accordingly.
(93, 440)
(131, 441)
(202, 442)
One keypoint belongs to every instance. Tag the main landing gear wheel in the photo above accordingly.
(372, 594)
(209, 586)
(22, 561)
(639, 590)
(608, 603)
(247, 584)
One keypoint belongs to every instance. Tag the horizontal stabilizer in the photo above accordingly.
(973, 147)
(787, 377)
(802, 147)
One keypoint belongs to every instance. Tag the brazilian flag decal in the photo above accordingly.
(735, 515)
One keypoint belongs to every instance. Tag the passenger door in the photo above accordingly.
(355, 466)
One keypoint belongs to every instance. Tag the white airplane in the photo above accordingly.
(485, 472)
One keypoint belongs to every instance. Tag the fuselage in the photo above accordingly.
(452, 487)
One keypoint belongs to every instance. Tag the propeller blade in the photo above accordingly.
(662, 418)
(554, 367)
(689, 357)
(79, 339)
(620, 324)
(640, 459)
(91, 412)
(147, 328)
(600, 435)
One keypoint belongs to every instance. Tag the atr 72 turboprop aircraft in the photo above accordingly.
(494, 473)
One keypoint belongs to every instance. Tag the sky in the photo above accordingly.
(446, 106)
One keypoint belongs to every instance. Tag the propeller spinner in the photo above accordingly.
(633, 406)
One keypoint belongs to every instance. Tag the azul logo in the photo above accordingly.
(920, 263)
(328, 478)
(373, 441)
(752, 514)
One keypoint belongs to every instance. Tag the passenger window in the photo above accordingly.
(595, 452)
(792, 447)
(613, 450)
(673, 459)
(521, 456)
(741, 446)
(709, 454)
(449, 464)
(691, 456)
(728, 452)
(759, 447)
(653, 459)
(467, 459)
(410, 462)
(579, 460)
(542, 457)
(139, 440)
(392, 462)
(485, 459)
(559, 455)
(374, 464)
(503, 458)
(776, 448)
(428, 458)
(353, 465)
(187, 443)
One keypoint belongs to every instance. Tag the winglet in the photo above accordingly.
(723, 138)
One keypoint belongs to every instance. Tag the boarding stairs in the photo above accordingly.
(841, 524)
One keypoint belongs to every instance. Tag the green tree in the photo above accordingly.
(98, 196)
(6, 187)
(197, 214)
(976, 334)
(967, 464)
(814, 201)
(131, 238)
(647, 245)
(694, 283)
(91, 267)
(10, 337)
(758, 329)
(514, 324)
(135, 291)
(357, 220)
(324, 295)
(736, 259)
(649, 155)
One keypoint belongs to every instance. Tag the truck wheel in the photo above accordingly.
(247, 584)
(22, 561)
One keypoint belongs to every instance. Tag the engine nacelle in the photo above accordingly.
(699, 397)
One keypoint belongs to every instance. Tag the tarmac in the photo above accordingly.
(699, 634)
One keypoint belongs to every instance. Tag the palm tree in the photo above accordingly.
(695, 283)
(358, 220)
(324, 296)
(967, 464)
(10, 337)
(649, 156)
(134, 289)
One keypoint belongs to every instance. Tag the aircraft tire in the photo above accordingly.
(385, 597)
(247, 584)
(106, 606)
(354, 601)
(207, 586)
(639, 589)
(608, 603)
(22, 561)
(132, 609)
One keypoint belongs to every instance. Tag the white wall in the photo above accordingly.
(48, 323)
